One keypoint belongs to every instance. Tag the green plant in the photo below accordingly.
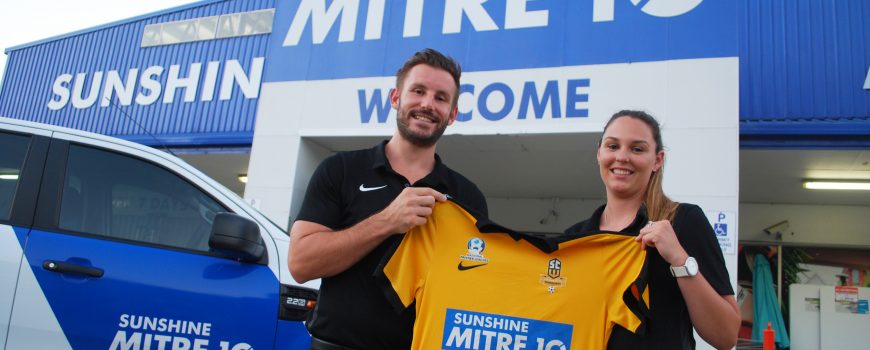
(792, 258)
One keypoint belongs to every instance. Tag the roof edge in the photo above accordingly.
(111, 24)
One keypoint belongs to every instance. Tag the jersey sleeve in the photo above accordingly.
(322, 201)
(402, 272)
(698, 239)
(628, 305)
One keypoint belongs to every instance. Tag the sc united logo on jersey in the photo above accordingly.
(553, 279)
(475, 248)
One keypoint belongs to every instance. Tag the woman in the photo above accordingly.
(630, 160)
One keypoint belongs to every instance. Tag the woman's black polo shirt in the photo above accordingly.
(345, 189)
(669, 326)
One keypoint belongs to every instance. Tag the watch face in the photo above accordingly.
(691, 266)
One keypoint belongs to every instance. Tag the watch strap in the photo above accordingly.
(679, 271)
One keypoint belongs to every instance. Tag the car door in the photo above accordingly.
(120, 250)
(21, 161)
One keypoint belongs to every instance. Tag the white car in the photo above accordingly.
(108, 244)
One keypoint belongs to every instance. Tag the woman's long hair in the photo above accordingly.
(658, 205)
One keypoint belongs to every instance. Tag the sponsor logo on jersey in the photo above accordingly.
(553, 279)
(474, 253)
(462, 267)
(477, 330)
(475, 247)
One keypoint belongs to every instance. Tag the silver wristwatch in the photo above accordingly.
(690, 268)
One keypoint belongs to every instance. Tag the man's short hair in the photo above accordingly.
(435, 59)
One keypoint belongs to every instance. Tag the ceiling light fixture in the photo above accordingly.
(243, 178)
(9, 177)
(855, 185)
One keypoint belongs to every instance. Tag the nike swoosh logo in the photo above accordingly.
(363, 188)
(463, 267)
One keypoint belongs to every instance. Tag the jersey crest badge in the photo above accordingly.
(553, 279)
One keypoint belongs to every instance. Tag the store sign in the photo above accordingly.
(322, 17)
(203, 82)
(602, 10)
(312, 39)
(562, 98)
(541, 100)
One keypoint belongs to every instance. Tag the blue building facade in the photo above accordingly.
(191, 75)
(804, 79)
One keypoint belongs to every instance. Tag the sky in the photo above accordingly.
(23, 22)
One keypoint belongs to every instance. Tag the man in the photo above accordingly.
(358, 203)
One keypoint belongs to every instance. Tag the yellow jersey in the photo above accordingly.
(508, 290)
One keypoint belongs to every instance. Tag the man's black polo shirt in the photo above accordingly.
(345, 189)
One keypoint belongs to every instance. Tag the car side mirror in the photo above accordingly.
(237, 237)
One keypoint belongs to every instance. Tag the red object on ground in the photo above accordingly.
(769, 342)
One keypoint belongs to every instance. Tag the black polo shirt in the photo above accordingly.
(347, 188)
(669, 325)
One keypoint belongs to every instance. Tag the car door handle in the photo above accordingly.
(65, 267)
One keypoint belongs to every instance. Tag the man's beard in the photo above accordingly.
(417, 138)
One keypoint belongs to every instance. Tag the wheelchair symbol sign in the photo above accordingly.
(721, 221)
(721, 229)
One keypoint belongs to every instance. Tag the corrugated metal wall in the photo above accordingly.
(32, 70)
(803, 64)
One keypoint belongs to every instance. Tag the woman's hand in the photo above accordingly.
(715, 317)
(661, 236)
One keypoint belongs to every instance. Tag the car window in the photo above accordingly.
(13, 149)
(122, 197)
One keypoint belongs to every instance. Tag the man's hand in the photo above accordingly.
(317, 251)
(411, 208)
